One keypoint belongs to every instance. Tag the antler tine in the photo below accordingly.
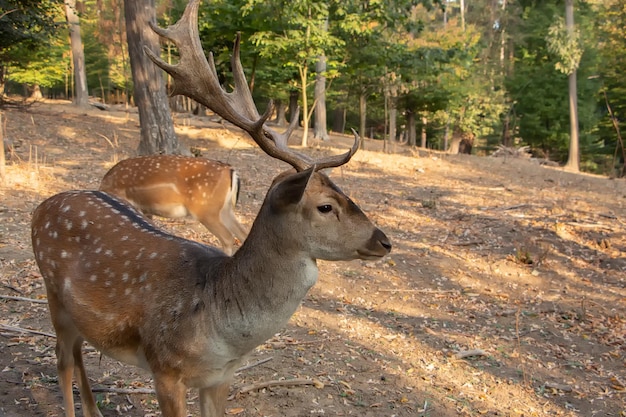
(196, 77)
(241, 84)
(338, 160)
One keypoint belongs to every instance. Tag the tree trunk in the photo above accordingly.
(573, 161)
(281, 108)
(362, 117)
(81, 95)
(503, 40)
(2, 153)
(410, 121)
(393, 114)
(462, 7)
(339, 119)
(446, 133)
(2, 81)
(157, 127)
(305, 106)
(424, 125)
(293, 103)
(320, 130)
(35, 93)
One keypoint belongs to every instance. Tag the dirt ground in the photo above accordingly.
(504, 294)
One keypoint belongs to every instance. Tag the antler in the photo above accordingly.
(196, 78)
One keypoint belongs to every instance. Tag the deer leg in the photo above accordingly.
(67, 337)
(213, 400)
(220, 231)
(236, 228)
(90, 409)
(65, 370)
(171, 394)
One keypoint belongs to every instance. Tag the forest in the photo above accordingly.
(504, 291)
(453, 75)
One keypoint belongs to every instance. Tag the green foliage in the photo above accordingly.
(567, 47)
(492, 73)
(611, 49)
(25, 27)
(46, 68)
(540, 94)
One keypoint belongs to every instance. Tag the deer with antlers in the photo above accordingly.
(176, 186)
(187, 312)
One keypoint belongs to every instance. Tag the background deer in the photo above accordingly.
(182, 310)
(177, 186)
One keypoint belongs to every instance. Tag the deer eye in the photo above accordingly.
(325, 208)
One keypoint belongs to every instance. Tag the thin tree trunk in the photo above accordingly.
(503, 37)
(462, 15)
(157, 126)
(573, 161)
(293, 103)
(362, 117)
(386, 117)
(2, 80)
(305, 106)
(320, 130)
(423, 136)
(446, 133)
(410, 121)
(393, 114)
(2, 154)
(81, 95)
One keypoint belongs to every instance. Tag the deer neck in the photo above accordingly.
(275, 263)
(262, 286)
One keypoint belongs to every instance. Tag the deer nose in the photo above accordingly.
(377, 246)
(382, 239)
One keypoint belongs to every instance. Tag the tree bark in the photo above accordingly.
(446, 133)
(393, 114)
(305, 106)
(293, 103)
(362, 117)
(281, 119)
(81, 95)
(320, 130)
(2, 81)
(339, 119)
(573, 161)
(410, 121)
(155, 118)
(35, 92)
(423, 137)
(2, 153)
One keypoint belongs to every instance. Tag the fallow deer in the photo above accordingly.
(182, 310)
(177, 186)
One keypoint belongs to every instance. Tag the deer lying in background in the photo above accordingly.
(182, 310)
(176, 186)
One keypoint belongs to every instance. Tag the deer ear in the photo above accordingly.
(290, 190)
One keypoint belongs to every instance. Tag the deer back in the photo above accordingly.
(176, 186)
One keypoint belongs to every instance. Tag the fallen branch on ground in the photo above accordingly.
(22, 330)
(257, 363)
(281, 382)
(468, 353)
(113, 390)
(420, 291)
(30, 300)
